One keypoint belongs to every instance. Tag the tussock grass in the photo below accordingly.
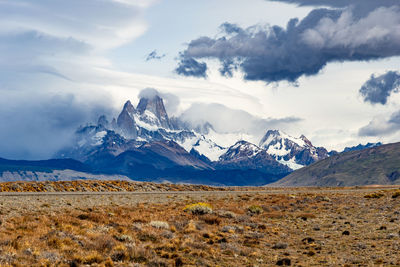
(374, 195)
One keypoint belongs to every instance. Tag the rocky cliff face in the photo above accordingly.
(126, 121)
(155, 107)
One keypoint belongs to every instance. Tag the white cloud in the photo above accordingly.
(348, 31)
(52, 49)
(64, 38)
(382, 126)
(100, 24)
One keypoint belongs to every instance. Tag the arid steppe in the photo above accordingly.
(255, 227)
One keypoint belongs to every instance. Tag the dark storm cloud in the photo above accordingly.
(273, 53)
(382, 127)
(37, 126)
(230, 28)
(378, 88)
(360, 7)
(191, 67)
(154, 55)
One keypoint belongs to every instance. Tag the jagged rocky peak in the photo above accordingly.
(114, 124)
(148, 121)
(102, 121)
(152, 102)
(128, 107)
(273, 137)
(126, 121)
(292, 151)
(306, 141)
(241, 149)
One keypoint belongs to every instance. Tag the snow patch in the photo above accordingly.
(229, 139)
(246, 149)
(145, 125)
(98, 138)
(281, 137)
(300, 142)
(291, 163)
(203, 146)
(140, 139)
(278, 149)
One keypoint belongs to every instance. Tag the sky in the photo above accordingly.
(325, 69)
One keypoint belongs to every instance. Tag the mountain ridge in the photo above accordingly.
(115, 148)
(376, 165)
(145, 144)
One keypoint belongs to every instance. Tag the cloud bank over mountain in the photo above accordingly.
(381, 126)
(36, 127)
(228, 120)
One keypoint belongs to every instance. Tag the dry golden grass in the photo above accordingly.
(260, 229)
(99, 186)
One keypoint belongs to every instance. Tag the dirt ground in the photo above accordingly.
(297, 227)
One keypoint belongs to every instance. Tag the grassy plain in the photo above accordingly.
(268, 227)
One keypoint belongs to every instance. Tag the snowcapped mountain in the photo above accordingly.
(143, 142)
(242, 149)
(245, 155)
(291, 151)
(148, 122)
(203, 146)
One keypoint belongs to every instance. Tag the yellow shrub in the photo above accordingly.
(199, 208)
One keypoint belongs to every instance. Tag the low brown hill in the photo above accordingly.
(377, 165)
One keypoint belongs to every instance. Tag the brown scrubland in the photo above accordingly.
(297, 227)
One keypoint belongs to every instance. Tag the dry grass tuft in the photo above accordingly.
(211, 219)
(396, 194)
(305, 216)
(159, 225)
(374, 195)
